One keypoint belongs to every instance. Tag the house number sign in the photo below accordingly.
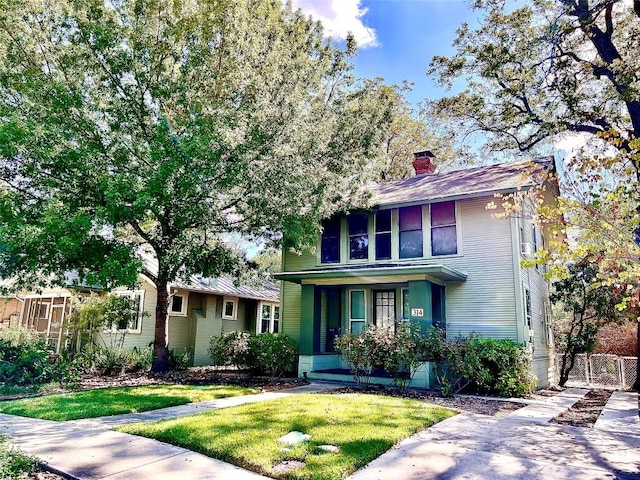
(417, 312)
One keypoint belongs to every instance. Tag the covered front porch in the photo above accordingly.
(350, 298)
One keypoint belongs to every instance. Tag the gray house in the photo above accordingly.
(428, 251)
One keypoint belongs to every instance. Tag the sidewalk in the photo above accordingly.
(520, 445)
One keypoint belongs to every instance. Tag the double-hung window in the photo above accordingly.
(410, 227)
(135, 309)
(444, 240)
(358, 226)
(383, 235)
(330, 242)
(269, 318)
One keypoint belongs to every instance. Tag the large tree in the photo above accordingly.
(163, 125)
(541, 70)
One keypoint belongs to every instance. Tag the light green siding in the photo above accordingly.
(290, 300)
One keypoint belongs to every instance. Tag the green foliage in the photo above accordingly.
(399, 353)
(86, 319)
(160, 125)
(26, 361)
(178, 360)
(115, 360)
(14, 464)
(231, 348)
(362, 426)
(271, 353)
(587, 306)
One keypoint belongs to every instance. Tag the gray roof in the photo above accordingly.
(224, 285)
(477, 181)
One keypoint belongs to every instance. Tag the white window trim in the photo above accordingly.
(130, 294)
(233, 300)
(185, 299)
(272, 318)
(351, 320)
(404, 290)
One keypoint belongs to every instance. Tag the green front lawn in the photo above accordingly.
(362, 426)
(114, 401)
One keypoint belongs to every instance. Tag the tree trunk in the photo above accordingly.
(160, 348)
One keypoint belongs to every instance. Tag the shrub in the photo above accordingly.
(14, 464)
(270, 353)
(178, 360)
(230, 348)
(505, 368)
(273, 353)
(110, 361)
(25, 360)
(362, 352)
(406, 354)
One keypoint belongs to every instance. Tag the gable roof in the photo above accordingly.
(471, 182)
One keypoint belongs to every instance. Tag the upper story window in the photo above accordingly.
(358, 226)
(410, 228)
(443, 229)
(330, 243)
(383, 235)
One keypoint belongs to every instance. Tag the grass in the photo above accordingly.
(114, 401)
(362, 426)
(14, 464)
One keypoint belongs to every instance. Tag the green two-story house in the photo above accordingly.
(427, 251)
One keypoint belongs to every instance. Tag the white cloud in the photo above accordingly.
(340, 17)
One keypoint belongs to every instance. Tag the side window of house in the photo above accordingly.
(527, 308)
(230, 308)
(136, 307)
(358, 226)
(410, 237)
(437, 305)
(330, 243)
(269, 318)
(357, 311)
(178, 304)
(406, 309)
(383, 235)
(444, 240)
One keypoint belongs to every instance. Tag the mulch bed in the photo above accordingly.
(585, 412)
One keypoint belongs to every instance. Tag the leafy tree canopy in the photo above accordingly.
(162, 124)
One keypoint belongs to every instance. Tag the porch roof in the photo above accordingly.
(374, 274)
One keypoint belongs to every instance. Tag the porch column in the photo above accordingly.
(420, 303)
(310, 320)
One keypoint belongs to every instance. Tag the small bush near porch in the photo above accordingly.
(362, 426)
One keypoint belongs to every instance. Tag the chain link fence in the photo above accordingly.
(601, 370)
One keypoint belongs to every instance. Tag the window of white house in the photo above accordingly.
(410, 237)
(178, 304)
(357, 311)
(330, 242)
(444, 240)
(358, 227)
(269, 318)
(230, 308)
(383, 235)
(136, 303)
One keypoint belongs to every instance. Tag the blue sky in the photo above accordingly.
(397, 38)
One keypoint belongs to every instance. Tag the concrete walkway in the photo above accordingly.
(520, 445)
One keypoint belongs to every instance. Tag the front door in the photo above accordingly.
(385, 308)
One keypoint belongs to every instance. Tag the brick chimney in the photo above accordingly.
(423, 162)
